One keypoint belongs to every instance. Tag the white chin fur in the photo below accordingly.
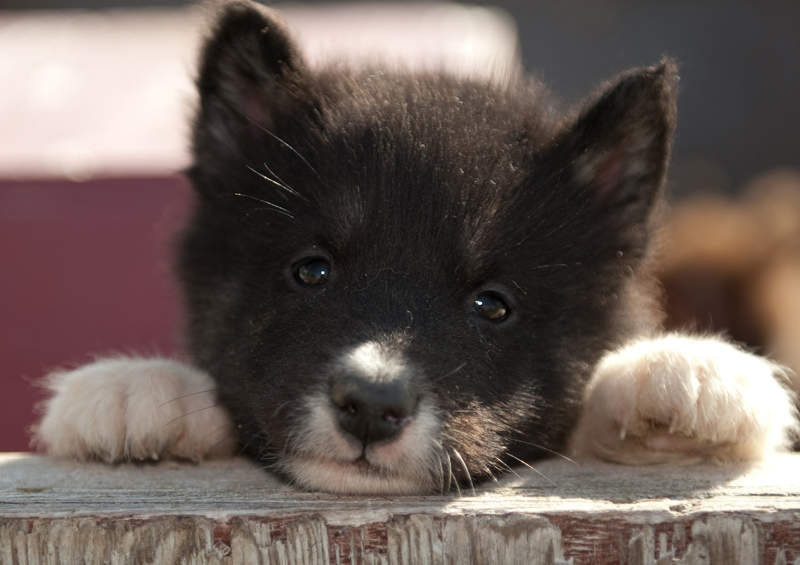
(347, 478)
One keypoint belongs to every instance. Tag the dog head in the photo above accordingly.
(402, 280)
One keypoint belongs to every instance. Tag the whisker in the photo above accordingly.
(284, 143)
(488, 470)
(450, 476)
(292, 441)
(441, 476)
(446, 435)
(187, 395)
(284, 184)
(243, 446)
(522, 290)
(556, 265)
(537, 471)
(466, 470)
(275, 207)
(263, 454)
(508, 467)
(437, 455)
(190, 412)
(221, 439)
(450, 374)
(273, 181)
(280, 407)
(548, 450)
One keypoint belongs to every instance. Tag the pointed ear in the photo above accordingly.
(250, 74)
(613, 157)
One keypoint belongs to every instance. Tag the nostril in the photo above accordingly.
(349, 408)
(371, 411)
(393, 417)
(343, 395)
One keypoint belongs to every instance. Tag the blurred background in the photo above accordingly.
(96, 95)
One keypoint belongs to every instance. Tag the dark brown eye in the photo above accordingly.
(312, 271)
(491, 306)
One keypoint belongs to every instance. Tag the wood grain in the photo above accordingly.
(232, 512)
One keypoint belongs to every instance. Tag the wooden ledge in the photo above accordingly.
(229, 511)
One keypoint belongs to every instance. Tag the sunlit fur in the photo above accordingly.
(682, 398)
(126, 408)
(422, 191)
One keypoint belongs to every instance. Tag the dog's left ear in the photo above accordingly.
(610, 162)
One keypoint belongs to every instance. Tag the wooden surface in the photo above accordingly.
(232, 512)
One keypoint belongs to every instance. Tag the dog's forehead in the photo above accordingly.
(413, 220)
(389, 181)
(428, 161)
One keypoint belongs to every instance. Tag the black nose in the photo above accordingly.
(372, 411)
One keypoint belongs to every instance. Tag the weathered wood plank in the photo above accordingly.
(231, 512)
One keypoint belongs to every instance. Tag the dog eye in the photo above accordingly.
(491, 306)
(312, 271)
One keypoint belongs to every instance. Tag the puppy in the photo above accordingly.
(403, 283)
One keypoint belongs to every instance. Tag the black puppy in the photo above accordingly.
(399, 282)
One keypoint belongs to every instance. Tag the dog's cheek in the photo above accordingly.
(473, 439)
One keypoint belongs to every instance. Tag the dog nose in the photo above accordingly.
(372, 411)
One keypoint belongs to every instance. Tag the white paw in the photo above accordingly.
(124, 409)
(681, 398)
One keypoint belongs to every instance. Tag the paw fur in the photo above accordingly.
(124, 409)
(683, 398)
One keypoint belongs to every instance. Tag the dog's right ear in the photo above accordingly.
(250, 75)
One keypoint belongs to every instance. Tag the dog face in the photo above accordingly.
(402, 281)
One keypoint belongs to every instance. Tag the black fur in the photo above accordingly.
(422, 190)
